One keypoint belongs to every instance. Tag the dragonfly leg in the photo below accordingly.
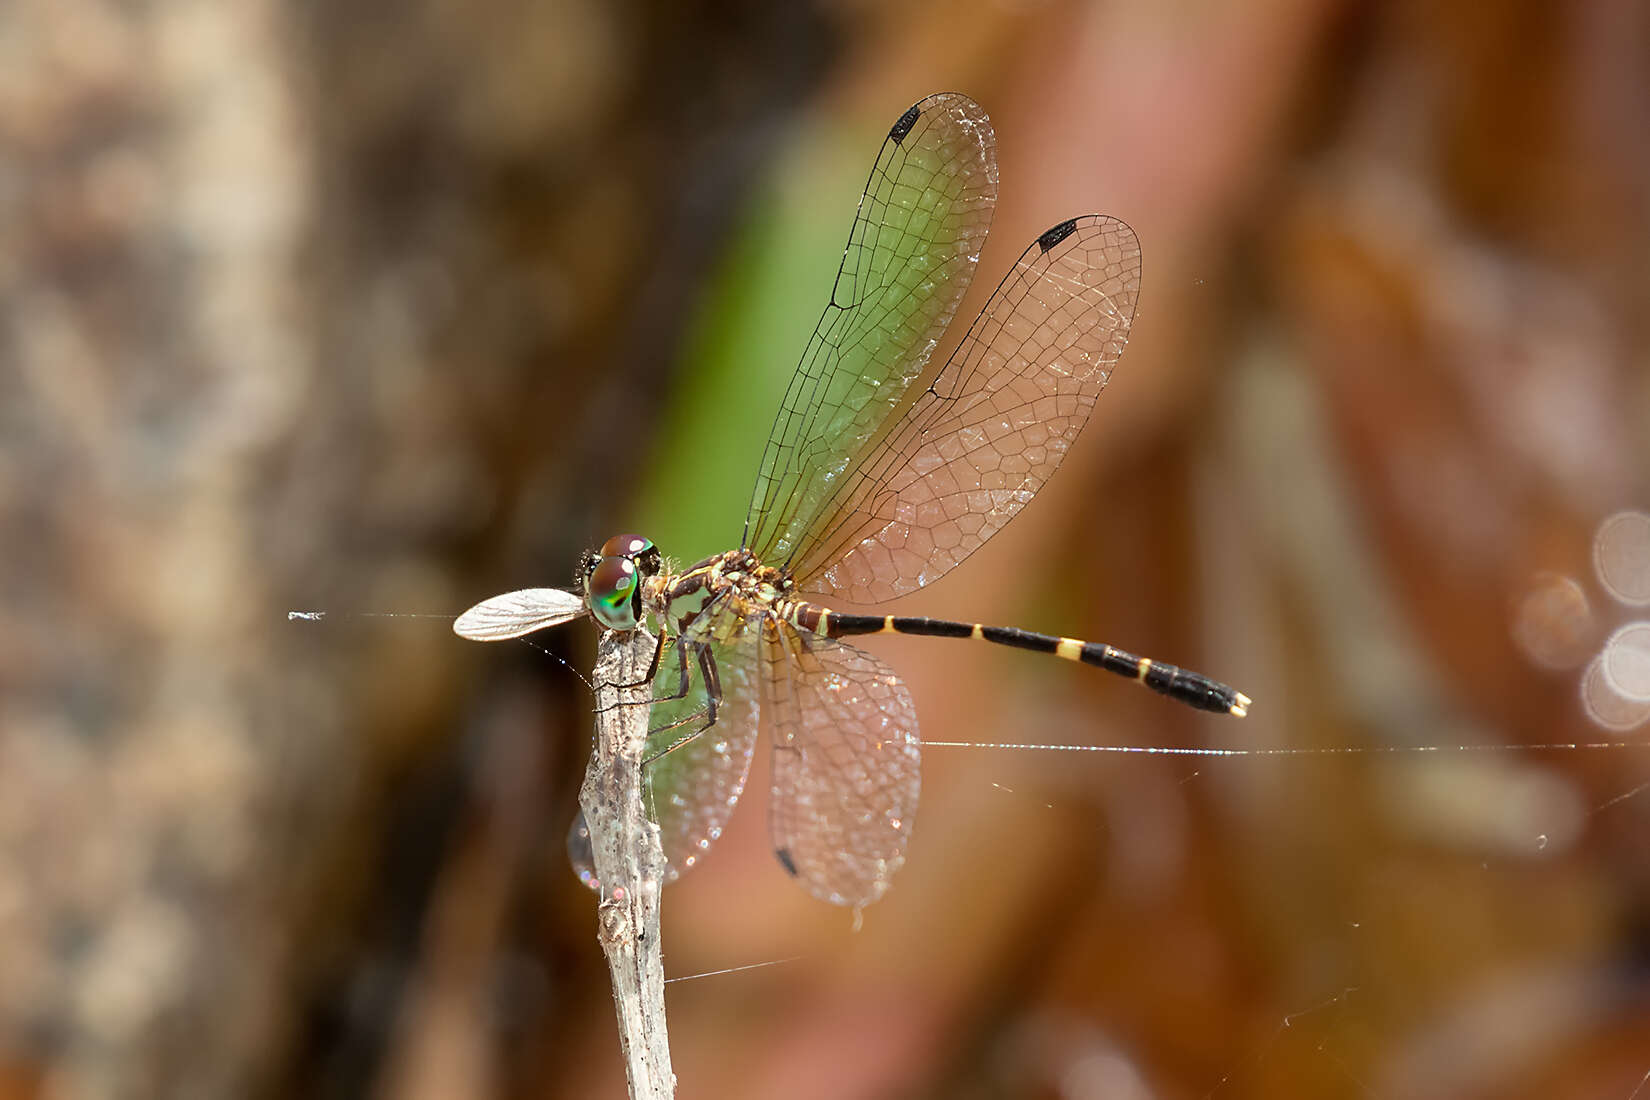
(653, 666)
(658, 653)
(653, 731)
(653, 671)
(713, 696)
(684, 681)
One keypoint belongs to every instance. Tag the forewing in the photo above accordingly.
(996, 422)
(846, 766)
(909, 260)
(516, 613)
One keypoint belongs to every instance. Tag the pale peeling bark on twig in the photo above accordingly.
(628, 860)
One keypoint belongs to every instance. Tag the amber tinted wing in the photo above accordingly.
(910, 258)
(978, 443)
(846, 766)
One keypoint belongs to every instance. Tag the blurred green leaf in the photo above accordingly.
(744, 346)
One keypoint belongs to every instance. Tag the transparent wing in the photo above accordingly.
(516, 613)
(846, 766)
(909, 260)
(995, 423)
(693, 788)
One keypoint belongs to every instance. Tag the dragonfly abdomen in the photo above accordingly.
(1183, 685)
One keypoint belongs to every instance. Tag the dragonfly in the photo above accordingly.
(885, 468)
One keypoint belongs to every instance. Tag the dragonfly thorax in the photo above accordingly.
(735, 575)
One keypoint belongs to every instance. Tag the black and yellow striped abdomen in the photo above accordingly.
(1183, 685)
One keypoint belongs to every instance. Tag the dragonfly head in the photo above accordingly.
(613, 576)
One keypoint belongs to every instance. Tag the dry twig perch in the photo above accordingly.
(628, 859)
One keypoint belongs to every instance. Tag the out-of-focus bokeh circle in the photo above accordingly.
(1553, 622)
(1621, 554)
(1625, 662)
(1608, 707)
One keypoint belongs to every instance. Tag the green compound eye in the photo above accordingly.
(611, 593)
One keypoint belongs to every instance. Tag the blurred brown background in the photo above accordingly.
(389, 306)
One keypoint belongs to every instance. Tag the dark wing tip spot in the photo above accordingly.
(1059, 233)
(785, 860)
(903, 126)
